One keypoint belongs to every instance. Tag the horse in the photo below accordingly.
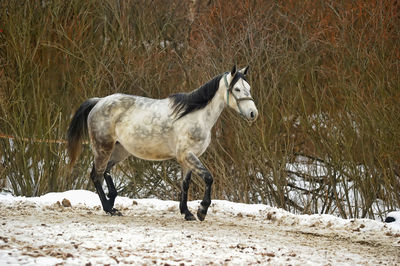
(179, 126)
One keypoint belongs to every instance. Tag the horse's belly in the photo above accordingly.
(146, 135)
(148, 148)
(152, 151)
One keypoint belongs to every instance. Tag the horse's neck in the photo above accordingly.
(214, 109)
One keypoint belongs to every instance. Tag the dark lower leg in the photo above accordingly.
(119, 154)
(206, 202)
(193, 163)
(112, 192)
(107, 204)
(183, 204)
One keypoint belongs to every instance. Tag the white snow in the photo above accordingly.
(40, 231)
(396, 223)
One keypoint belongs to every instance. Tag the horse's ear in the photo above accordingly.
(233, 71)
(245, 70)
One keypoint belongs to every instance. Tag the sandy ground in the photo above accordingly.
(79, 235)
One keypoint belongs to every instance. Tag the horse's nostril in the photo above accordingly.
(253, 115)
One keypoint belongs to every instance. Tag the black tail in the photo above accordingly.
(78, 129)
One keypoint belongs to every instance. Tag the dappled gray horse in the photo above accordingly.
(178, 127)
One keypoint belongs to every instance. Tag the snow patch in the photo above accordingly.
(37, 230)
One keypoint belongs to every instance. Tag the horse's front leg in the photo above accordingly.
(193, 163)
(183, 204)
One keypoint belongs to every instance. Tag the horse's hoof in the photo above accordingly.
(190, 217)
(114, 212)
(201, 213)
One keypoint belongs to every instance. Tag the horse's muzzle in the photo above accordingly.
(251, 115)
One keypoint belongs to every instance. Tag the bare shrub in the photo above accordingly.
(325, 76)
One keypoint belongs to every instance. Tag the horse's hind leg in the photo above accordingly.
(97, 181)
(108, 205)
(119, 154)
(112, 191)
(102, 153)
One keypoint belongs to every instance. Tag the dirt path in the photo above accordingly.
(78, 235)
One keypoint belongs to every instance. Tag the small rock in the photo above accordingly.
(134, 202)
(66, 203)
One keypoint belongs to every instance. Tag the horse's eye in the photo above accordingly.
(236, 89)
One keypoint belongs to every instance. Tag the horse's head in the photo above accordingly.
(238, 95)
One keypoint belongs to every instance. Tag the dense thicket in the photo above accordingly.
(325, 76)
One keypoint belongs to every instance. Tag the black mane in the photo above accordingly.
(185, 103)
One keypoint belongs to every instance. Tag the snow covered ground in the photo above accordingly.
(41, 231)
